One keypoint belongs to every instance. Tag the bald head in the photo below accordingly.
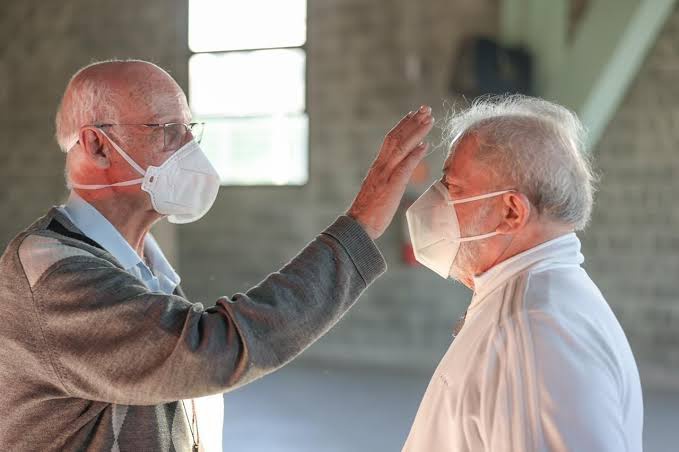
(131, 91)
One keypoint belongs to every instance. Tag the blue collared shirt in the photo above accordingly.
(158, 275)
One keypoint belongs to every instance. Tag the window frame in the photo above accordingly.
(304, 111)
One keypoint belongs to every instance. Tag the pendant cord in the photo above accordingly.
(193, 421)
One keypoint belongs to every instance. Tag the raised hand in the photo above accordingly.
(382, 189)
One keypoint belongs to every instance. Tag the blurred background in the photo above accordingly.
(297, 96)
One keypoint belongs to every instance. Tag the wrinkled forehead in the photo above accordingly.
(141, 91)
(155, 101)
(169, 107)
(460, 155)
(461, 166)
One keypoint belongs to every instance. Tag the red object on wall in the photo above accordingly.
(408, 255)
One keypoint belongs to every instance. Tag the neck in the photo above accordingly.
(132, 219)
(534, 235)
(520, 244)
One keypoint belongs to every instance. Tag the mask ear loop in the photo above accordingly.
(476, 198)
(98, 187)
(127, 158)
(124, 155)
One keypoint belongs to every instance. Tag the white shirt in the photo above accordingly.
(158, 276)
(540, 364)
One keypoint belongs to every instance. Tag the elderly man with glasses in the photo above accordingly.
(101, 350)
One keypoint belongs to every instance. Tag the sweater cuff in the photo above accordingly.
(361, 248)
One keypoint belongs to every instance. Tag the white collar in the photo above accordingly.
(563, 250)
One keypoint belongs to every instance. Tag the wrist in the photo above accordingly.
(371, 232)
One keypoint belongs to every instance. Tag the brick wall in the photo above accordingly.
(357, 89)
(632, 246)
(41, 45)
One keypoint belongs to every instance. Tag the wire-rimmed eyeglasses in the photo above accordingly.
(175, 134)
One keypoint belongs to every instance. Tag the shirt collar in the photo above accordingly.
(95, 226)
(168, 278)
(563, 250)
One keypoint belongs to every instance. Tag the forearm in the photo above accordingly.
(290, 309)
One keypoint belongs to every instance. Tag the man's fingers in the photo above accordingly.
(416, 135)
(402, 172)
(383, 187)
(422, 116)
(406, 126)
(414, 131)
(391, 139)
(408, 144)
(397, 129)
(404, 137)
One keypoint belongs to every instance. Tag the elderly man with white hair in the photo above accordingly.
(101, 350)
(539, 362)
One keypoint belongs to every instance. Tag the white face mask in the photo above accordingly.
(435, 230)
(184, 187)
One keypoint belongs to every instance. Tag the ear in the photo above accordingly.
(516, 210)
(95, 147)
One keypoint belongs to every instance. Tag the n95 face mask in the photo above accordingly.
(434, 228)
(184, 187)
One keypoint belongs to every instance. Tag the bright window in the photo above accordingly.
(247, 81)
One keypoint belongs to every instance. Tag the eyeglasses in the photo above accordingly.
(175, 134)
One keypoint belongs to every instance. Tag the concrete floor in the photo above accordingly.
(304, 409)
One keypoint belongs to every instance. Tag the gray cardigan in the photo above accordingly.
(80, 336)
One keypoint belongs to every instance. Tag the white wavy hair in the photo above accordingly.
(534, 146)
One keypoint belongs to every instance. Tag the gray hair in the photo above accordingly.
(85, 101)
(535, 147)
(90, 99)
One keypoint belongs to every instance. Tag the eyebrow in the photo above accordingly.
(167, 119)
(452, 180)
(445, 171)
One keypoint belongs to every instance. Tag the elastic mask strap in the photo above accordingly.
(126, 183)
(98, 187)
(477, 237)
(461, 239)
(476, 198)
(124, 155)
